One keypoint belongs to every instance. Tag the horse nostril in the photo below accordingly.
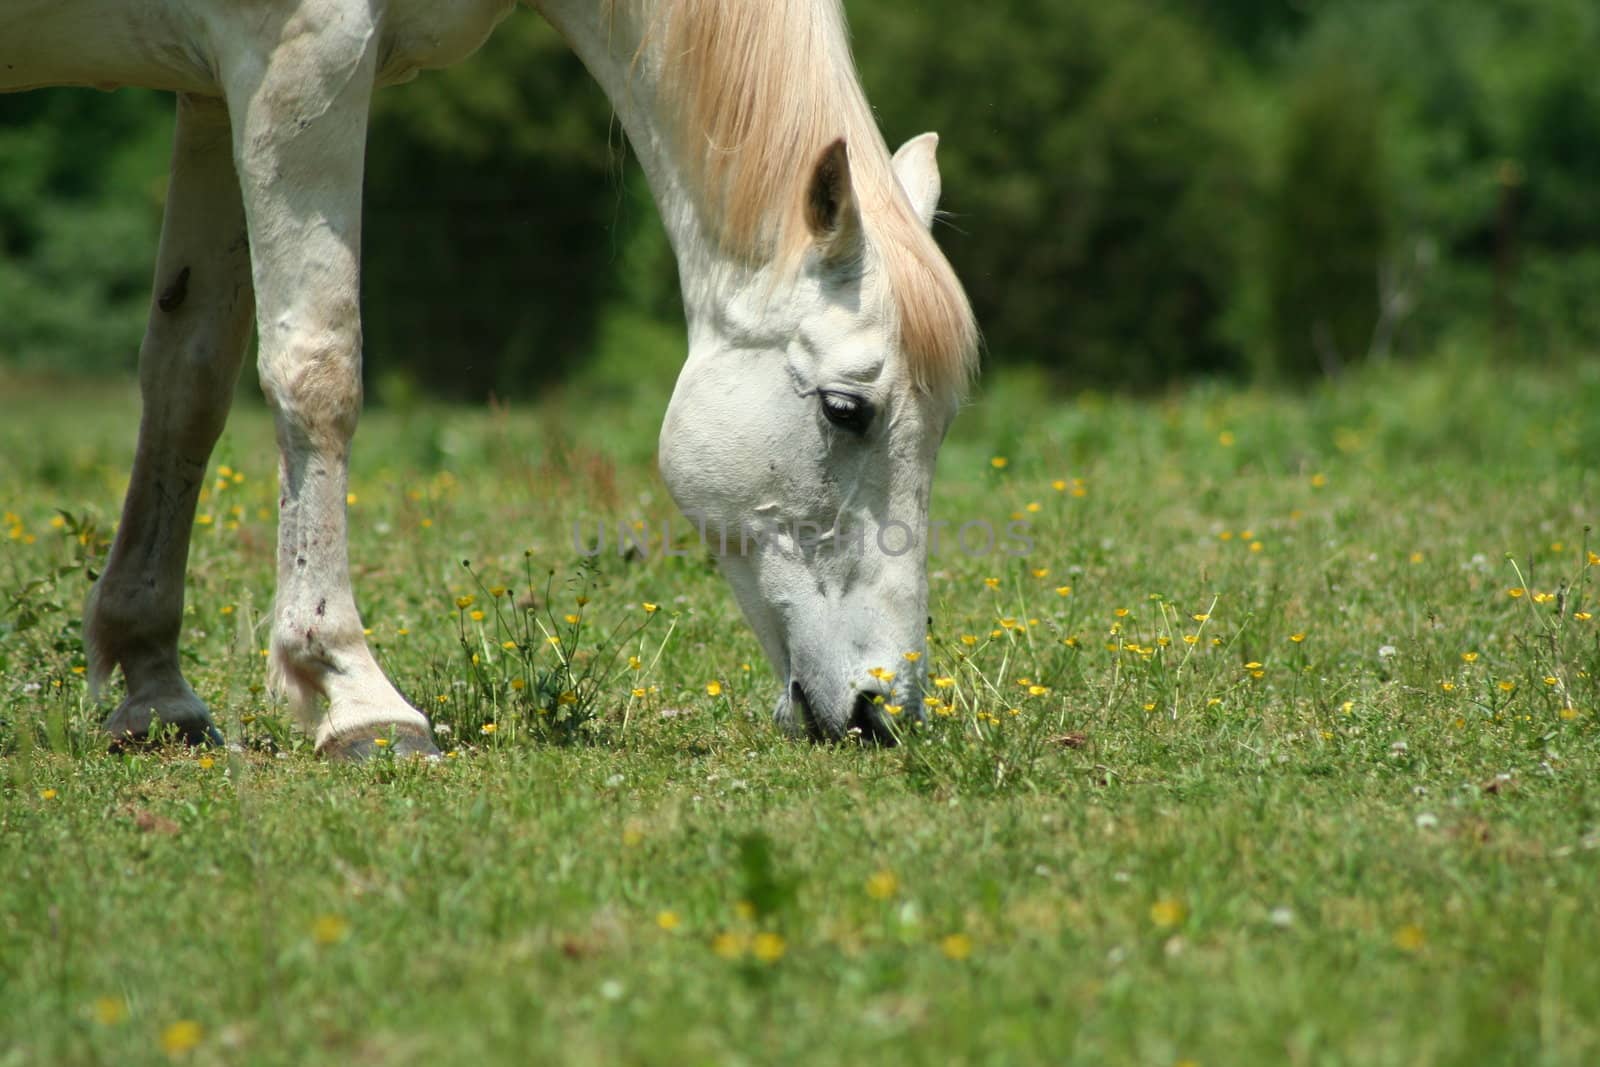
(868, 721)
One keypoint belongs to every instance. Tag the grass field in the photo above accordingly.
(1279, 748)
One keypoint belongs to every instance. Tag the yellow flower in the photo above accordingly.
(667, 920)
(1059, 485)
(768, 947)
(1507, 686)
(1063, 590)
(553, 640)
(882, 885)
(1448, 687)
(475, 615)
(1256, 546)
(999, 463)
(1252, 666)
(206, 763)
(1469, 657)
(968, 640)
(488, 728)
(1038, 690)
(943, 682)
(47, 794)
(638, 692)
(912, 657)
(227, 609)
(1582, 616)
(464, 602)
(649, 608)
(634, 663)
(1410, 938)
(567, 699)
(572, 619)
(497, 591)
(1516, 592)
(1121, 613)
(1318, 481)
(329, 929)
(882, 675)
(714, 689)
(1225, 438)
(1543, 598)
(992, 583)
(1191, 639)
(1167, 912)
(508, 645)
(180, 1038)
(350, 500)
(956, 946)
(892, 709)
(729, 945)
(1200, 616)
(519, 684)
(109, 1011)
(1297, 638)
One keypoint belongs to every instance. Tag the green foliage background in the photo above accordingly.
(1136, 193)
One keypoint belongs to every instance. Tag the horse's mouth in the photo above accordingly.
(814, 728)
(867, 723)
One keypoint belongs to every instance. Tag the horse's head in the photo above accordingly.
(803, 433)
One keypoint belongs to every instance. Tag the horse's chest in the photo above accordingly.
(423, 34)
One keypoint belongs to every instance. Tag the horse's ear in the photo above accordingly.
(832, 214)
(917, 166)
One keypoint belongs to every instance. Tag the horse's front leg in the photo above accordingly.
(188, 365)
(300, 116)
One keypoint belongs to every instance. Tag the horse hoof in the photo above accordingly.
(195, 734)
(394, 741)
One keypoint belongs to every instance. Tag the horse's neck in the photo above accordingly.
(607, 36)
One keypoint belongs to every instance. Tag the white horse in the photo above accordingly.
(829, 341)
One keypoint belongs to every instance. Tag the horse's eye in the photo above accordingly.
(847, 412)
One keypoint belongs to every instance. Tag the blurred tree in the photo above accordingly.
(1136, 192)
(491, 189)
(1098, 188)
(1329, 229)
(82, 181)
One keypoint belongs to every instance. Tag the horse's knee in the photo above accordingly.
(313, 383)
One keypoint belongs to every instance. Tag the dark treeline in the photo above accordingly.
(1137, 192)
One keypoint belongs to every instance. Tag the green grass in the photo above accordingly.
(1356, 848)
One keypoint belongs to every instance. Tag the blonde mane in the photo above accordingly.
(765, 86)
